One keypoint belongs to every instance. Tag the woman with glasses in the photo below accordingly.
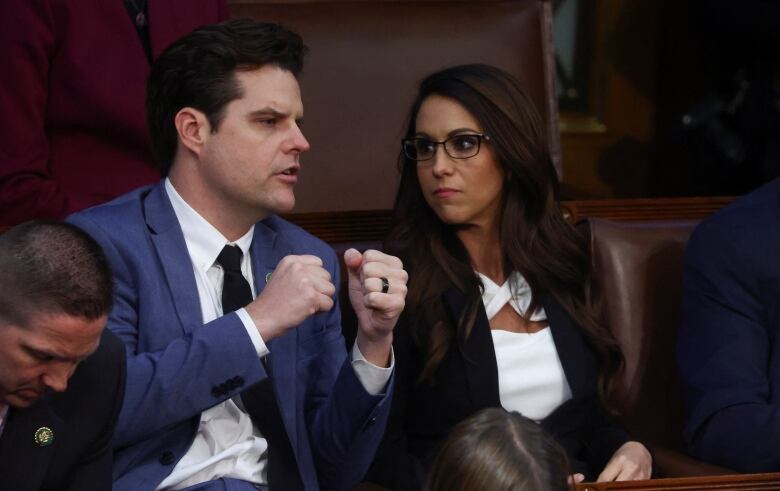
(500, 311)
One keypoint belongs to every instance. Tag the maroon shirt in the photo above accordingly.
(72, 100)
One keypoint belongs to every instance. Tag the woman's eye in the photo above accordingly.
(425, 146)
(465, 142)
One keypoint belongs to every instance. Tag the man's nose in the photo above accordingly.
(56, 377)
(299, 141)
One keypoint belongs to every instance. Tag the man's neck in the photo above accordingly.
(232, 223)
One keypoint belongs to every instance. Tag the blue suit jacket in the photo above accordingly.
(179, 367)
(728, 348)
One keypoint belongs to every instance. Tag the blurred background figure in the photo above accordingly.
(733, 130)
(73, 125)
(496, 449)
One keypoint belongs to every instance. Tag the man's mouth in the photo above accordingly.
(29, 393)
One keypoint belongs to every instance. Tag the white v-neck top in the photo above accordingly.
(530, 376)
(531, 380)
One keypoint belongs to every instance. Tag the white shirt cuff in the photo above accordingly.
(373, 378)
(254, 334)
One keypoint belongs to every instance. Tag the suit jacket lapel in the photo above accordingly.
(267, 250)
(168, 240)
(23, 463)
(576, 359)
(479, 354)
(481, 370)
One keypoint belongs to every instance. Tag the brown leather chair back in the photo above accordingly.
(639, 267)
(366, 59)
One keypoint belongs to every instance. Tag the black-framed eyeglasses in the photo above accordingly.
(460, 146)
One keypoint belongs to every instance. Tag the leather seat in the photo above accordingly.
(639, 268)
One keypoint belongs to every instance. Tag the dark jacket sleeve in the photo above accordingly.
(395, 466)
(603, 439)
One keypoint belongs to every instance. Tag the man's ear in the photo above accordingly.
(193, 129)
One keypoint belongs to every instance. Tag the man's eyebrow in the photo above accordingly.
(42, 352)
(267, 111)
(54, 356)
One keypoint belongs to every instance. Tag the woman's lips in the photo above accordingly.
(445, 192)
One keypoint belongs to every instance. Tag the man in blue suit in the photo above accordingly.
(728, 348)
(238, 377)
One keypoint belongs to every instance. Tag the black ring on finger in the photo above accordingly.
(385, 284)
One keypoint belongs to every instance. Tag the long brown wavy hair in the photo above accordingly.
(535, 239)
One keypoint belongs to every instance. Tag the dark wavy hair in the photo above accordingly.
(198, 71)
(535, 239)
(496, 449)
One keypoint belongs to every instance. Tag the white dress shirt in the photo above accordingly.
(531, 380)
(3, 414)
(227, 443)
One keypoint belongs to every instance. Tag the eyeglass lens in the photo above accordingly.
(457, 147)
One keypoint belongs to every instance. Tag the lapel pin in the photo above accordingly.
(44, 436)
(268, 277)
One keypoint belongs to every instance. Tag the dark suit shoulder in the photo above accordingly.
(116, 208)
(736, 237)
(103, 221)
(754, 210)
(96, 387)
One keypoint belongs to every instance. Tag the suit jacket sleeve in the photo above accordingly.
(28, 38)
(171, 385)
(724, 346)
(394, 465)
(603, 439)
(345, 422)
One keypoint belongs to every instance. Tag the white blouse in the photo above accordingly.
(531, 380)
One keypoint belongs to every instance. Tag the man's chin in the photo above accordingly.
(283, 206)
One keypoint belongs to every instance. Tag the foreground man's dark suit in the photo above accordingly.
(82, 420)
(728, 348)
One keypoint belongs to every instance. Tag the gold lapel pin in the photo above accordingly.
(44, 436)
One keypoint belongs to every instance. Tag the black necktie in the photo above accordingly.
(259, 399)
(236, 292)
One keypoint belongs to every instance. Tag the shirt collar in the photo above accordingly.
(204, 241)
(3, 416)
(515, 291)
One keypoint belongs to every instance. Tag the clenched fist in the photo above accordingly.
(298, 288)
(377, 291)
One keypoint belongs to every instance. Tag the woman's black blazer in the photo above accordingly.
(467, 380)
